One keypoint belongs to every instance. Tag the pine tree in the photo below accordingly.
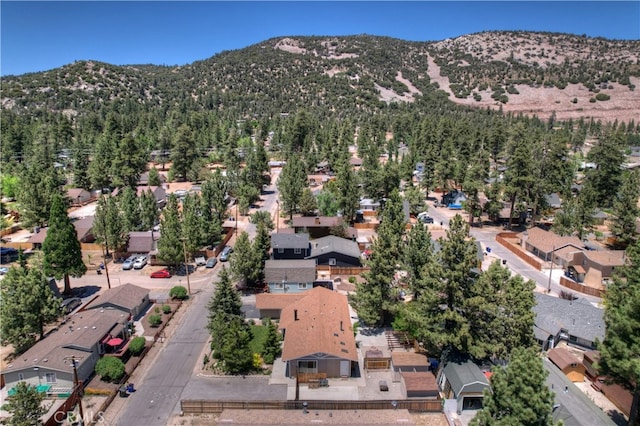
(604, 180)
(519, 394)
(375, 299)
(418, 251)
(626, 210)
(291, 184)
(620, 350)
(130, 209)
(183, 153)
(272, 344)
(25, 406)
(61, 248)
(245, 262)
(27, 304)
(108, 227)
(149, 212)
(348, 191)
(170, 247)
(236, 351)
(224, 305)
(308, 204)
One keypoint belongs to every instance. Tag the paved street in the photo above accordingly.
(171, 376)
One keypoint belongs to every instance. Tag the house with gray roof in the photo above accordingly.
(128, 298)
(464, 382)
(575, 321)
(289, 245)
(289, 275)
(335, 251)
(85, 336)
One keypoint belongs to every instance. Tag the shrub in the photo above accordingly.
(178, 292)
(257, 361)
(155, 320)
(602, 97)
(156, 310)
(574, 100)
(352, 279)
(136, 346)
(110, 368)
(166, 309)
(592, 100)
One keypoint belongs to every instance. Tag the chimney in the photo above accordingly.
(317, 220)
(295, 315)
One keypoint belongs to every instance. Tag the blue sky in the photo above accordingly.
(38, 36)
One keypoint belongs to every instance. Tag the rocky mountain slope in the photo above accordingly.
(533, 73)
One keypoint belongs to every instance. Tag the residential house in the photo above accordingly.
(48, 364)
(289, 276)
(83, 227)
(143, 180)
(575, 321)
(568, 363)
(621, 397)
(316, 226)
(289, 245)
(318, 337)
(128, 298)
(464, 382)
(271, 305)
(335, 251)
(367, 204)
(546, 244)
(593, 267)
(143, 241)
(553, 201)
(159, 193)
(79, 196)
(454, 198)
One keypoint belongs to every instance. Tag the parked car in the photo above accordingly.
(69, 305)
(200, 261)
(226, 253)
(128, 263)
(211, 262)
(140, 263)
(3, 270)
(425, 218)
(162, 273)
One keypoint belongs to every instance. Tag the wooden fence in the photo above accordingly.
(190, 406)
(341, 270)
(517, 250)
(580, 288)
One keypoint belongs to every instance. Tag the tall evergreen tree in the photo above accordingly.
(130, 209)
(291, 184)
(245, 262)
(27, 304)
(25, 406)
(626, 210)
(620, 350)
(61, 248)
(149, 212)
(374, 299)
(108, 227)
(604, 180)
(348, 191)
(519, 394)
(170, 247)
(183, 152)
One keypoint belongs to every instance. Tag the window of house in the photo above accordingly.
(50, 377)
(332, 261)
(280, 250)
(302, 286)
(297, 251)
(307, 366)
(279, 285)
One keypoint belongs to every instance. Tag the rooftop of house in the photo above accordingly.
(290, 270)
(579, 317)
(606, 257)
(83, 227)
(276, 301)
(289, 240)
(333, 244)
(318, 323)
(547, 241)
(126, 297)
(75, 338)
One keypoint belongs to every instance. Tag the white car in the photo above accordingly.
(128, 264)
(140, 262)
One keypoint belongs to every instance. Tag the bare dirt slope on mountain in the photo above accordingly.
(497, 57)
(624, 104)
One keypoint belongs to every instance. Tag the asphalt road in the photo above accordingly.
(171, 377)
(487, 237)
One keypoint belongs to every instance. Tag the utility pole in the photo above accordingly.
(76, 385)
(186, 267)
(551, 270)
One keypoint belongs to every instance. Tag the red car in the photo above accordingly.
(162, 273)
